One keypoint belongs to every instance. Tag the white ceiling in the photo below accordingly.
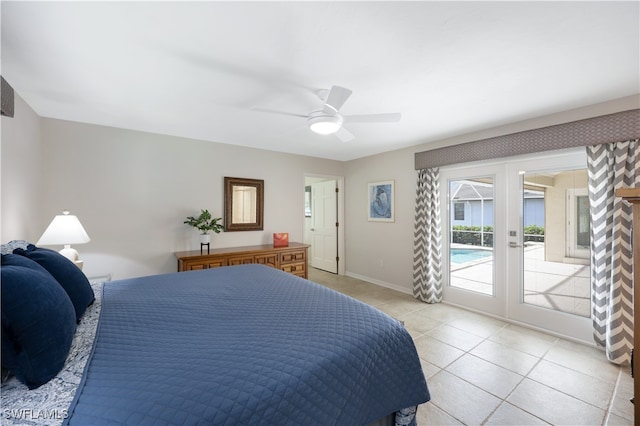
(199, 69)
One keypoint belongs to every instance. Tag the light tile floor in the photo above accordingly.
(483, 371)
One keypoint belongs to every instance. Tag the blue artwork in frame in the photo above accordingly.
(381, 200)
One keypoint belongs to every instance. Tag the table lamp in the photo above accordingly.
(65, 229)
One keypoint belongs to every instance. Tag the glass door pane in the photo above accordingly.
(471, 231)
(555, 235)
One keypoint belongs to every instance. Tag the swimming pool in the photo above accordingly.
(464, 255)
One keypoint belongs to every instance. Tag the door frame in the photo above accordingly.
(491, 304)
(340, 199)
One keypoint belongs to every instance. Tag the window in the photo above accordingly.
(583, 222)
(458, 211)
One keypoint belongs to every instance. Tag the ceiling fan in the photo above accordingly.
(328, 120)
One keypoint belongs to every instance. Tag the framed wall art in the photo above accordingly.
(381, 201)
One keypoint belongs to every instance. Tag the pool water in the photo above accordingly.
(468, 255)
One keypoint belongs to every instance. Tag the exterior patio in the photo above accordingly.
(563, 287)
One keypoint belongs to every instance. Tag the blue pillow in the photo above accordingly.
(38, 322)
(15, 260)
(70, 277)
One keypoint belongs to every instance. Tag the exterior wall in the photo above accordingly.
(476, 213)
(533, 213)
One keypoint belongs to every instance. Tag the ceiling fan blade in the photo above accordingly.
(344, 135)
(373, 118)
(273, 111)
(337, 97)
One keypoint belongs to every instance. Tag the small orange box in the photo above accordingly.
(281, 239)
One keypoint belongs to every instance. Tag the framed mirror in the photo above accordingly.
(243, 204)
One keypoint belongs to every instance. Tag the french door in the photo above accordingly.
(516, 241)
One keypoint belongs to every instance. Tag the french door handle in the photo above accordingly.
(513, 244)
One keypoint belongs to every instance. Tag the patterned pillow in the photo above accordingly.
(9, 247)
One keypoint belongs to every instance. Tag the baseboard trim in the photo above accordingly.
(380, 283)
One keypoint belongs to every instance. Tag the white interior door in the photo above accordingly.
(324, 232)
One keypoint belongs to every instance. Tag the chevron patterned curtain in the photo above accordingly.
(427, 240)
(612, 166)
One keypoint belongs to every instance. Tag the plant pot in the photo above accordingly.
(205, 238)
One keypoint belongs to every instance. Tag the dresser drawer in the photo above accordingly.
(292, 257)
(240, 260)
(197, 265)
(270, 259)
(299, 269)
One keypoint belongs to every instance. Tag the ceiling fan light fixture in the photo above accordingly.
(328, 120)
(325, 124)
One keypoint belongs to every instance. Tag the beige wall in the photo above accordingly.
(381, 252)
(132, 190)
(22, 178)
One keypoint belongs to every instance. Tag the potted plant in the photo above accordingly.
(205, 223)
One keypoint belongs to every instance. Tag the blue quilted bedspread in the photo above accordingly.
(243, 345)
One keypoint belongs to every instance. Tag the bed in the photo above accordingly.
(242, 344)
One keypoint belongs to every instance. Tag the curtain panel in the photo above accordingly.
(427, 238)
(612, 166)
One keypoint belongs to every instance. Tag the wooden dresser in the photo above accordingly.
(292, 259)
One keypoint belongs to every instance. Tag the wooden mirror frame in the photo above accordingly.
(229, 184)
